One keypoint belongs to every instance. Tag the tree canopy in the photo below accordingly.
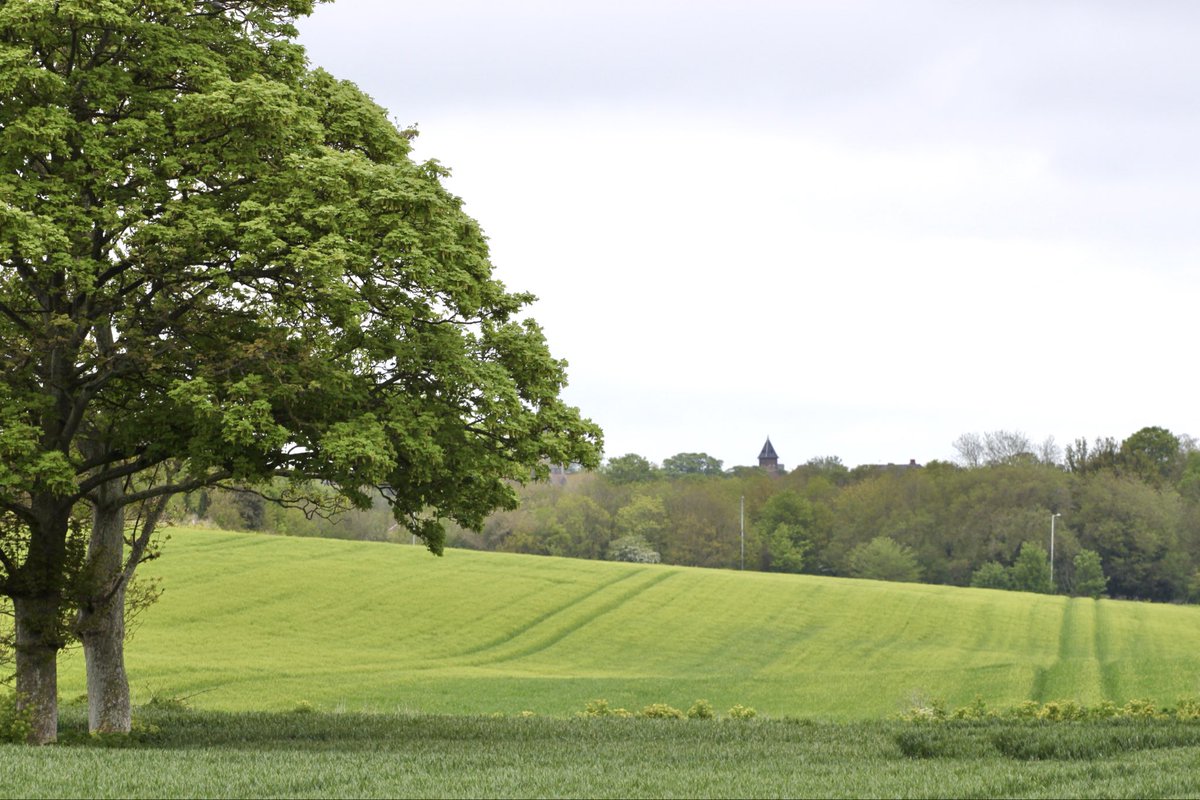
(218, 265)
(691, 464)
(960, 525)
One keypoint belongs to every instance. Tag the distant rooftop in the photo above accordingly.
(768, 451)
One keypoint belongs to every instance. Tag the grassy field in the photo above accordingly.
(254, 622)
(216, 754)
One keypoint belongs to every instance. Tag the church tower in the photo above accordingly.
(768, 459)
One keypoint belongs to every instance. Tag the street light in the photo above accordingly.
(742, 527)
(1052, 518)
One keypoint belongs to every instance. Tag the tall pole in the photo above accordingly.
(742, 526)
(1052, 518)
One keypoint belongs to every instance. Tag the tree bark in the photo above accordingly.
(109, 709)
(101, 618)
(37, 648)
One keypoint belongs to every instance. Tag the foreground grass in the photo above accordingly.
(256, 622)
(213, 754)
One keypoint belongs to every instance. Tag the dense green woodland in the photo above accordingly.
(1134, 504)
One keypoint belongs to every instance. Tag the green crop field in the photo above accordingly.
(222, 754)
(255, 622)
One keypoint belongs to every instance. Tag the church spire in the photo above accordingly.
(768, 459)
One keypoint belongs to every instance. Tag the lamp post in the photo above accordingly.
(742, 527)
(1052, 518)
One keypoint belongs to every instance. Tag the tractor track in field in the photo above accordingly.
(1109, 678)
(1080, 654)
(486, 654)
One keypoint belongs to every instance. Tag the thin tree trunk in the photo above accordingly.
(101, 619)
(37, 648)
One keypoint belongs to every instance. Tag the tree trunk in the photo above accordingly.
(101, 620)
(104, 654)
(37, 665)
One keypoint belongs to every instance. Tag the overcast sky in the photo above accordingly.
(861, 228)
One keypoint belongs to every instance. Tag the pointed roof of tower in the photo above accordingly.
(768, 451)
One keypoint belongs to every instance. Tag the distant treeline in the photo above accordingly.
(1128, 521)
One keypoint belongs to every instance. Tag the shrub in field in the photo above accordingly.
(1027, 709)
(1061, 711)
(1089, 580)
(992, 575)
(925, 710)
(168, 702)
(601, 708)
(1140, 709)
(740, 711)
(15, 726)
(596, 708)
(701, 709)
(977, 709)
(1188, 709)
(661, 711)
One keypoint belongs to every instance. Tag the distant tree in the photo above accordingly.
(992, 575)
(1189, 478)
(1006, 447)
(1089, 578)
(830, 468)
(1193, 587)
(644, 517)
(702, 519)
(883, 559)
(783, 548)
(1135, 528)
(970, 449)
(1048, 452)
(1031, 571)
(579, 527)
(743, 471)
(629, 468)
(783, 528)
(1001, 447)
(1076, 456)
(1082, 458)
(691, 464)
(825, 463)
(1153, 454)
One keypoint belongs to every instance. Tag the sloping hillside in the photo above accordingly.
(252, 621)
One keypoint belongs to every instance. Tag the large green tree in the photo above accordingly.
(218, 266)
(1153, 454)
(1030, 571)
(629, 468)
(784, 528)
(691, 464)
(883, 559)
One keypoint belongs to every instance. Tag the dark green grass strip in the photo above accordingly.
(1109, 679)
(354, 755)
